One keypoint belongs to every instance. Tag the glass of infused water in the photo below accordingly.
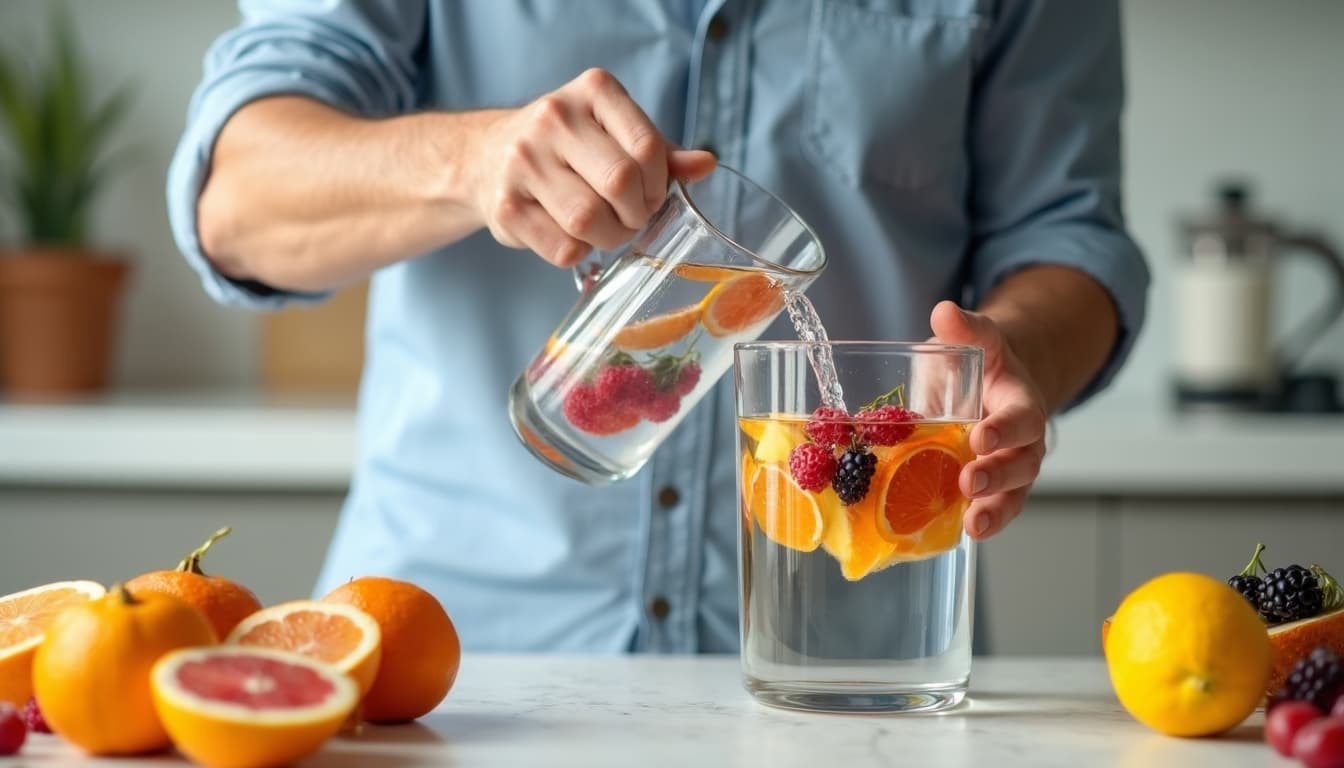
(855, 573)
(653, 332)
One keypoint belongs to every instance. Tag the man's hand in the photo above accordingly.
(580, 168)
(1010, 439)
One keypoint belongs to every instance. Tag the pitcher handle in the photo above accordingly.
(1320, 320)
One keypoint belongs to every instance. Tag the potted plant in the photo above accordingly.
(60, 295)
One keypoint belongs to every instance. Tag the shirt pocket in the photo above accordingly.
(887, 93)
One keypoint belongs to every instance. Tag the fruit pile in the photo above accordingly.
(1306, 717)
(622, 392)
(871, 489)
(1303, 608)
(181, 659)
(617, 391)
(815, 464)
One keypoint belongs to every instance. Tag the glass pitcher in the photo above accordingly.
(654, 328)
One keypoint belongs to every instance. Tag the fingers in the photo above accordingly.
(621, 117)
(953, 325)
(1002, 471)
(690, 164)
(989, 516)
(1011, 424)
(580, 211)
(608, 170)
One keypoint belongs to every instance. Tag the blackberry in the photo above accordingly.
(1249, 587)
(1316, 679)
(1248, 582)
(853, 475)
(1290, 593)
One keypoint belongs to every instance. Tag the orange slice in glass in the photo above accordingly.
(659, 331)
(738, 304)
(921, 504)
(787, 514)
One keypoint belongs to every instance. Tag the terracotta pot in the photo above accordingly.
(59, 317)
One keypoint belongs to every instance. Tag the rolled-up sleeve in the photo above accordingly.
(355, 56)
(1047, 157)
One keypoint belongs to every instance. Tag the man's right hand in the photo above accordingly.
(580, 168)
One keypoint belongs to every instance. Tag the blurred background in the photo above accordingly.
(1222, 431)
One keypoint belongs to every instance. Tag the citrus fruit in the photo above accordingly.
(91, 672)
(743, 302)
(1187, 655)
(223, 601)
(1296, 640)
(921, 503)
(775, 440)
(340, 635)
(24, 618)
(787, 514)
(421, 650)
(241, 707)
(658, 331)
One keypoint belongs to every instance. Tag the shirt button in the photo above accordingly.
(718, 28)
(660, 608)
(668, 497)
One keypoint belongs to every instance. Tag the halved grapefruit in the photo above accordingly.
(736, 305)
(230, 706)
(24, 617)
(340, 635)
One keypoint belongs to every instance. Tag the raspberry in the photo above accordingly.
(590, 413)
(854, 474)
(830, 427)
(887, 425)
(812, 466)
(662, 407)
(1317, 679)
(687, 378)
(32, 717)
(627, 385)
(1290, 593)
(12, 730)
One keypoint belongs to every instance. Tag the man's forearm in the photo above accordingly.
(303, 197)
(1060, 322)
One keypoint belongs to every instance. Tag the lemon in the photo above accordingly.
(777, 440)
(1187, 655)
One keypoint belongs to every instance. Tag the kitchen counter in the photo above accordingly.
(249, 441)
(692, 711)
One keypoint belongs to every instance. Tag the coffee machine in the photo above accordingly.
(1228, 355)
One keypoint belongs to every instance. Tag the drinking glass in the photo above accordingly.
(653, 332)
(855, 573)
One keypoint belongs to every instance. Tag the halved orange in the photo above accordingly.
(658, 331)
(341, 635)
(24, 618)
(787, 514)
(229, 706)
(741, 303)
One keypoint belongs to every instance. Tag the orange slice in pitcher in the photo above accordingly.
(787, 514)
(735, 305)
(659, 331)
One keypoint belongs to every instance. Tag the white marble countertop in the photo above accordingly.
(689, 712)
(249, 441)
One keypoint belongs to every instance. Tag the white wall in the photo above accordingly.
(173, 335)
(1216, 86)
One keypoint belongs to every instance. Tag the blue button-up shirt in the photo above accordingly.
(934, 145)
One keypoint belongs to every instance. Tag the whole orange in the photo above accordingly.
(421, 651)
(224, 601)
(91, 674)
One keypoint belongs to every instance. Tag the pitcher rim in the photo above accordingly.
(774, 266)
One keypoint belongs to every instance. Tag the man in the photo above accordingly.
(963, 150)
